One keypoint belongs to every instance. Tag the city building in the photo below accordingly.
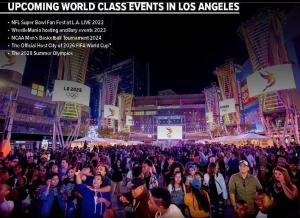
(187, 111)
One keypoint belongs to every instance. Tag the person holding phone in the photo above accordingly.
(94, 202)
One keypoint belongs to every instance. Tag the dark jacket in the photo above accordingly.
(139, 207)
(47, 201)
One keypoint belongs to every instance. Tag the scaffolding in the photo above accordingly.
(212, 99)
(125, 103)
(226, 75)
(71, 68)
(263, 36)
(109, 97)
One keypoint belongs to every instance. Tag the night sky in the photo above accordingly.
(182, 50)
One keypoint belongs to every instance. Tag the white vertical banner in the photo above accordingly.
(111, 112)
(270, 79)
(209, 117)
(227, 106)
(129, 120)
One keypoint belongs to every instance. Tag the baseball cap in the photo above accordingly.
(191, 166)
(136, 182)
(244, 162)
(196, 183)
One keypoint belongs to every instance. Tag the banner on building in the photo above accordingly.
(12, 62)
(129, 120)
(246, 99)
(270, 79)
(69, 91)
(209, 117)
(111, 112)
(227, 106)
(169, 132)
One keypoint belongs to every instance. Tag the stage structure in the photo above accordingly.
(68, 115)
(230, 100)
(212, 97)
(110, 85)
(264, 40)
(125, 103)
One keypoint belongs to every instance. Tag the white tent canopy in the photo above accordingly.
(135, 143)
(223, 139)
(89, 139)
(95, 140)
(251, 136)
(247, 136)
(202, 141)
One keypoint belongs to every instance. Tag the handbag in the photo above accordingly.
(109, 213)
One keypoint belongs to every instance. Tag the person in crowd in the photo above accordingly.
(241, 209)
(263, 173)
(150, 178)
(177, 190)
(94, 202)
(30, 160)
(197, 201)
(4, 176)
(243, 186)
(251, 160)
(233, 164)
(167, 170)
(43, 160)
(129, 175)
(221, 163)
(68, 189)
(64, 167)
(215, 184)
(265, 204)
(190, 174)
(285, 193)
(282, 161)
(137, 199)
(53, 205)
(117, 177)
(103, 171)
(161, 206)
(6, 206)
(54, 170)
(294, 171)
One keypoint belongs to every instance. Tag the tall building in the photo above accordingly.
(229, 89)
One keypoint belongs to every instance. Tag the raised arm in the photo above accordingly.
(78, 177)
(290, 193)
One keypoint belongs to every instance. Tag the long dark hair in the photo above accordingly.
(173, 181)
(201, 198)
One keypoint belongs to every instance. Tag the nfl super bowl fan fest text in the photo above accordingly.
(54, 36)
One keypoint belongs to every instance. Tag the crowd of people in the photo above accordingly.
(196, 181)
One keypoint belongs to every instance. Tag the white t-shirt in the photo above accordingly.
(170, 188)
(261, 215)
(172, 212)
(6, 207)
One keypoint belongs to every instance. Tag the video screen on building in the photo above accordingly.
(169, 132)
